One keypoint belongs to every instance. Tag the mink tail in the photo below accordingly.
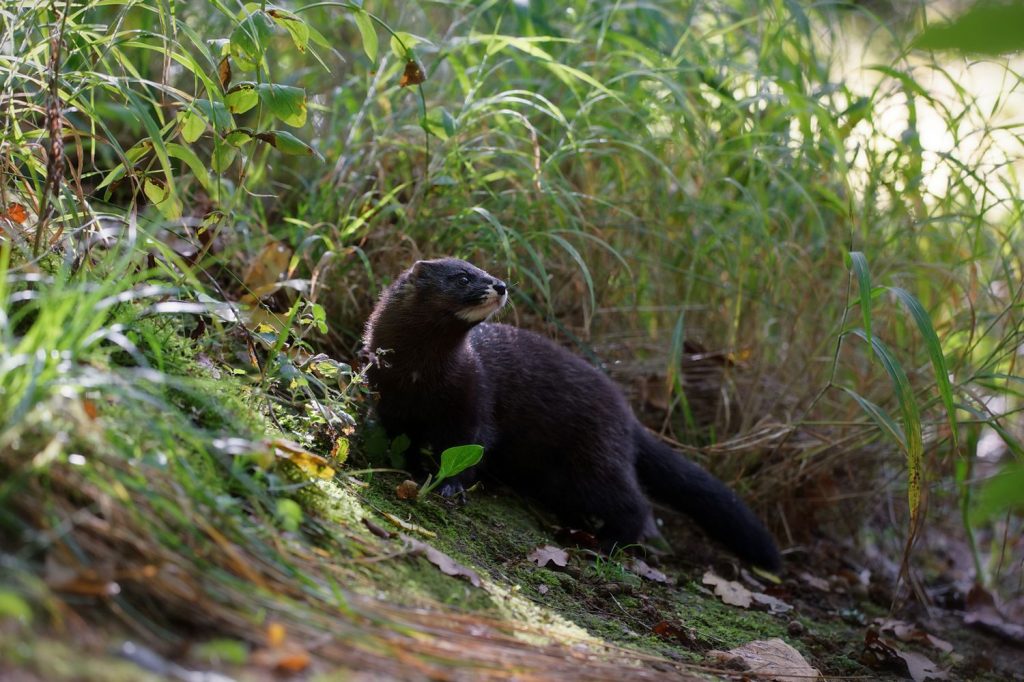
(682, 485)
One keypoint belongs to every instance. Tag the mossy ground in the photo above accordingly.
(594, 601)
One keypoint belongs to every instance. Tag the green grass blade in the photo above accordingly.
(911, 424)
(860, 268)
(931, 340)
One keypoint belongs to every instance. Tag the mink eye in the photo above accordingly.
(463, 280)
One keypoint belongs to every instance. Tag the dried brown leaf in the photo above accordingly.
(729, 591)
(311, 463)
(642, 569)
(16, 213)
(413, 74)
(549, 554)
(224, 73)
(444, 562)
(771, 659)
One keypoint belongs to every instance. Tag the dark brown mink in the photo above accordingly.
(552, 426)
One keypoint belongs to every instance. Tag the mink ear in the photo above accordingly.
(417, 268)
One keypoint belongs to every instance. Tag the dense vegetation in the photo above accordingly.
(791, 235)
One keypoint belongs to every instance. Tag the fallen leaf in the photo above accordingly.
(16, 213)
(773, 604)
(309, 462)
(672, 632)
(814, 581)
(262, 275)
(444, 562)
(879, 652)
(413, 74)
(407, 490)
(908, 632)
(920, 668)
(729, 591)
(770, 659)
(642, 569)
(549, 554)
(375, 529)
(983, 612)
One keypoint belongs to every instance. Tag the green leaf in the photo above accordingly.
(409, 41)
(886, 423)
(367, 32)
(289, 514)
(285, 102)
(931, 342)
(221, 652)
(192, 126)
(440, 123)
(296, 27)
(457, 459)
(222, 158)
(241, 97)
(990, 28)
(860, 268)
(911, 424)
(1003, 491)
(239, 136)
(164, 198)
(197, 167)
(400, 444)
(13, 607)
(286, 143)
(250, 38)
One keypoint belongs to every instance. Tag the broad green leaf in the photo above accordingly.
(439, 123)
(242, 97)
(911, 423)
(222, 157)
(197, 167)
(931, 342)
(250, 38)
(238, 137)
(285, 102)
(286, 143)
(990, 28)
(367, 32)
(192, 126)
(164, 198)
(409, 41)
(296, 27)
(132, 155)
(289, 514)
(1003, 491)
(860, 268)
(456, 460)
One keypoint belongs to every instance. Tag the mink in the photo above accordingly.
(553, 427)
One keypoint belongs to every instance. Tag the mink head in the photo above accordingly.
(449, 286)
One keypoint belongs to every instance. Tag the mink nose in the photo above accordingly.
(500, 288)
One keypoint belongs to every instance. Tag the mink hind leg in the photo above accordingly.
(616, 500)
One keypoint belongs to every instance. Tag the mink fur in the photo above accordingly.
(552, 426)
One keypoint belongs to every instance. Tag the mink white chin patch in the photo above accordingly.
(482, 311)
